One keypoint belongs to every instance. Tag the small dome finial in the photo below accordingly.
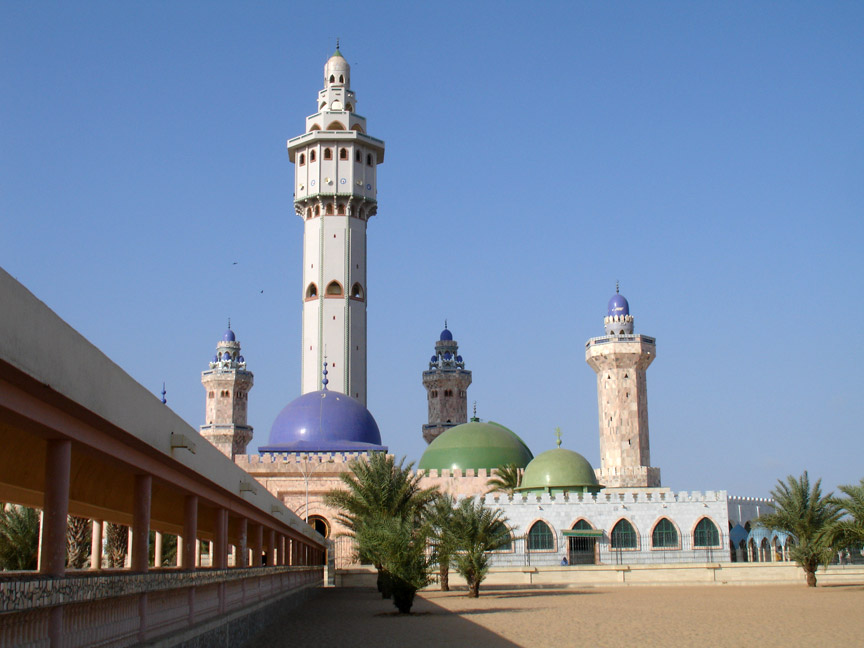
(616, 286)
(164, 400)
(558, 437)
(474, 418)
(324, 380)
(337, 43)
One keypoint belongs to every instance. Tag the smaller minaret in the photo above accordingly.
(620, 360)
(446, 384)
(227, 383)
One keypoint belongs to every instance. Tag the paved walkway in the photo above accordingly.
(647, 616)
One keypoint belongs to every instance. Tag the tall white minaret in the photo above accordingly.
(335, 189)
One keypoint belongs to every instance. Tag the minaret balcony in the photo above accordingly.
(608, 339)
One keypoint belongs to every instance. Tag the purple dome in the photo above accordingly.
(618, 305)
(229, 336)
(446, 335)
(324, 421)
(448, 355)
(226, 356)
(434, 359)
(458, 358)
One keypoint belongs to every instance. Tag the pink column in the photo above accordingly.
(258, 545)
(280, 549)
(219, 558)
(190, 531)
(96, 545)
(141, 523)
(58, 459)
(242, 559)
(271, 547)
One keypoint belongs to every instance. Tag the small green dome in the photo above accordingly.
(560, 470)
(475, 445)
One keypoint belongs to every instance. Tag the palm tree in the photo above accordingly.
(443, 539)
(478, 531)
(78, 531)
(850, 530)
(378, 488)
(809, 516)
(506, 480)
(116, 541)
(400, 546)
(19, 537)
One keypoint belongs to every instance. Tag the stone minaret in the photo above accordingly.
(335, 189)
(446, 384)
(227, 383)
(620, 360)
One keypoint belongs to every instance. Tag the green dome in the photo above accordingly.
(475, 445)
(560, 470)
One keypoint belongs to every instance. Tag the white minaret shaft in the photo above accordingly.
(335, 189)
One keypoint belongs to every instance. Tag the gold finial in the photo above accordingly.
(558, 436)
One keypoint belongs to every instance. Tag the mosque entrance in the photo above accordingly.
(582, 544)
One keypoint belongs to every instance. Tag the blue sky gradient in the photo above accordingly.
(710, 156)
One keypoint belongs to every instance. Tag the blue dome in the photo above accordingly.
(458, 358)
(229, 336)
(434, 359)
(618, 305)
(446, 335)
(448, 355)
(226, 356)
(324, 421)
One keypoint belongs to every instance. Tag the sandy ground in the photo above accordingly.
(784, 615)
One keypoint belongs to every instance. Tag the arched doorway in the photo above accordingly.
(320, 524)
(582, 544)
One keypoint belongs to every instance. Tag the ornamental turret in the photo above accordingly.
(620, 359)
(335, 193)
(227, 383)
(446, 382)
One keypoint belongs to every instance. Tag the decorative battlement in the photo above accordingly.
(300, 458)
(621, 496)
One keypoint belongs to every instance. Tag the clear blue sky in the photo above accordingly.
(710, 156)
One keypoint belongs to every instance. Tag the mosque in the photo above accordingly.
(564, 509)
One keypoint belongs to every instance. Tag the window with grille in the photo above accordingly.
(706, 534)
(665, 535)
(623, 535)
(540, 537)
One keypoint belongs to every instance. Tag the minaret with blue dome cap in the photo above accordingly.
(621, 358)
(335, 193)
(446, 382)
(227, 382)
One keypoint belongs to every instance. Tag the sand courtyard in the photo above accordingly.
(776, 615)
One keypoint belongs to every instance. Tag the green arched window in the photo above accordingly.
(540, 537)
(582, 525)
(665, 535)
(706, 534)
(623, 535)
(509, 546)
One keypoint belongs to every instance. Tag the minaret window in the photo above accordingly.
(332, 79)
(343, 154)
(311, 291)
(334, 289)
(336, 125)
(329, 211)
(349, 107)
(357, 291)
(312, 153)
(369, 159)
(357, 127)
(340, 210)
(302, 159)
(315, 127)
(317, 210)
(328, 154)
(341, 79)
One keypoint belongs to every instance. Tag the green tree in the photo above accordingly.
(849, 530)
(399, 543)
(19, 537)
(478, 531)
(809, 516)
(78, 533)
(443, 539)
(506, 480)
(116, 541)
(377, 488)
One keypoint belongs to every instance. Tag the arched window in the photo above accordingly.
(315, 127)
(343, 154)
(341, 79)
(623, 535)
(499, 528)
(664, 536)
(328, 154)
(357, 127)
(317, 210)
(540, 537)
(311, 291)
(336, 125)
(308, 212)
(706, 534)
(340, 210)
(349, 107)
(302, 159)
(211, 395)
(312, 155)
(369, 159)
(357, 291)
(334, 289)
(329, 210)
(358, 156)
(583, 525)
(320, 524)
(321, 107)
(332, 79)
